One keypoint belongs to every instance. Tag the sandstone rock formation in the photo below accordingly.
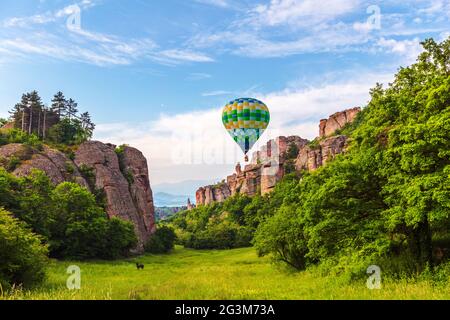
(268, 165)
(124, 180)
(312, 157)
(54, 163)
(337, 121)
(125, 183)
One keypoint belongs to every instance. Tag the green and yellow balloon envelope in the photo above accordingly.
(246, 119)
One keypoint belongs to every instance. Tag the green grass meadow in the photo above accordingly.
(212, 274)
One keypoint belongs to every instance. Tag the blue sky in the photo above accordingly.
(155, 74)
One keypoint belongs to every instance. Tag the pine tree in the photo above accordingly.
(71, 108)
(19, 113)
(34, 109)
(59, 104)
(87, 124)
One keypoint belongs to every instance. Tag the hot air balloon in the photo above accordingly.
(245, 119)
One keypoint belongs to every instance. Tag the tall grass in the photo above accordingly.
(213, 274)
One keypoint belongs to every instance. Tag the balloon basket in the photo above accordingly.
(246, 158)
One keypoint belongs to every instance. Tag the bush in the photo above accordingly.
(23, 257)
(162, 241)
(81, 229)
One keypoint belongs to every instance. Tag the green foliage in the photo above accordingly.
(19, 136)
(3, 121)
(88, 173)
(162, 241)
(68, 132)
(68, 217)
(81, 228)
(292, 151)
(23, 257)
(217, 226)
(120, 150)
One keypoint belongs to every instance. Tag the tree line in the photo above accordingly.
(60, 123)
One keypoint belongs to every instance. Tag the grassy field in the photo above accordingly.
(227, 274)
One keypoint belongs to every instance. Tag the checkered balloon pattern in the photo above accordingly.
(246, 120)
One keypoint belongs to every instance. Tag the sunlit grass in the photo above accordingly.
(212, 274)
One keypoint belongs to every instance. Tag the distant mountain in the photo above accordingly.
(184, 189)
(163, 199)
(163, 213)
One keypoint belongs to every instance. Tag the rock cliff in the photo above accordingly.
(269, 164)
(337, 121)
(122, 177)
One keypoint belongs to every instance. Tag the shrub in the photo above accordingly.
(82, 230)
(23, 257)
(162, 241)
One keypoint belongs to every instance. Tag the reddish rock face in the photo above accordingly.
(56, 165)
(337, 121)
(210, 194)
(268, 163)
(135, 166)
(311, 158)
(126, 185)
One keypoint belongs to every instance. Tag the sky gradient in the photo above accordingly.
(155, 74)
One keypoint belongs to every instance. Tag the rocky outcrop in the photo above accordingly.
(57, 166)
(210, 194)
(312, 157)
(260, 176)
(124, 179)
(269, 164)
(125, 183)
(337, 121)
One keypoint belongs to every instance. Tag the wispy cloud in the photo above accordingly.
(48, 35)
(196, 76)
(298, 12)
(289, 27)
(216, 93)
(409, 49)
(217, 3)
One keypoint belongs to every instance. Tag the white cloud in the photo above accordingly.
(409, 49)
(299, 12)
(195, 76)
(184, 55)
(194, 145)
(217, 3)
(216, 93)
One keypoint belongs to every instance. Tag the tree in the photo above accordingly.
(59, 104)
(162, 241)
(71, 108)
(35, 108)
(18, 113)
(87, 124)
(23, 257)
(81, 228)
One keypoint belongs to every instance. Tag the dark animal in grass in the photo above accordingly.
(139, 266)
